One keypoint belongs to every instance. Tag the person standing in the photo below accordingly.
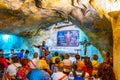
(95, 65)
(26, 54)
(11, 53)
(20, 55)
(43, 49)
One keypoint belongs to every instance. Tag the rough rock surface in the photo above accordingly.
(101, 23)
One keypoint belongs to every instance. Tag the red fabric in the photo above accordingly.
(23, 71)
(89, 71)
(62, 77)
(4, 61)
(7, 77)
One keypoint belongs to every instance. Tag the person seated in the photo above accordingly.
(20, 55)
(56, 55)
(95, 65)
(3, 74)
(59, 75)
(105, 72)
(26, 54)
(11, 54)
(34, 61)
(13, 67)
(41, 72)
(77, 57)
(79, 73)
(55, 67)
(88, 66)
(67, 62)
(23, 72)
(3, 60)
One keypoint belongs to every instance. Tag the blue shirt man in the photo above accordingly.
(20, 55)
(42, 49)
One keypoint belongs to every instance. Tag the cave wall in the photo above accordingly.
(115, 19)
(24, 18)
(111, 10)
(98, 19)
(50, 36)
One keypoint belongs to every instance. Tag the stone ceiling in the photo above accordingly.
(28, 17)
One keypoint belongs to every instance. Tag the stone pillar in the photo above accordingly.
(116, 43)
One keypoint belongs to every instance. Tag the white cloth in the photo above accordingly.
(67, 62)
(58, 75)
(12, 68)
(34, 60)
(71, 76)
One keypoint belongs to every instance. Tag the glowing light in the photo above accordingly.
(6, 37)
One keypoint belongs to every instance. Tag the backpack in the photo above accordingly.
(17, 75)
(79, 78)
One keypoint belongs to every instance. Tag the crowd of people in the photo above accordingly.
(43, 66)
(19, 67)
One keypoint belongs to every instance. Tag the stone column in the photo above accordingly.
(116, 43)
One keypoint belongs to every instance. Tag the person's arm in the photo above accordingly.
(36, 46)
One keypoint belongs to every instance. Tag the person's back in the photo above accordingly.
(78, 73)
(55, 67)
(88, 66)
(2, 59)
(13, 67)
(42, 71)
(105, 72)
(56, 55)
(34, 61)
(1, 70)
(59, 75)
(67, 61)
(3, 74)
(95, 65)
(39, 74)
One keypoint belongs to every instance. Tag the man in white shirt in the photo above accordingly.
(34, 61)
(59, 75)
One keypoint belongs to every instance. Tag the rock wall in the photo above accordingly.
(111, 10)
(100, 24)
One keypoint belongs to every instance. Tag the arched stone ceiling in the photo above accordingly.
(27, 17)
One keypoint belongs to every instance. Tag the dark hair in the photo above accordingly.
(56, 53)
(24, 61)
(87, 62)
(107, 54)
(22, 50)
(15, 59)
(2, 66)
(27, 51)
(35, 55)
(43, 57)
(77, 56)
(66, 56)
(95, 57)
(105, 72)
(57, 60)
(1, 53)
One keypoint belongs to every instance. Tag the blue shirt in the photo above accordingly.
(41, 51)
(20, 55)
(39, 74)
